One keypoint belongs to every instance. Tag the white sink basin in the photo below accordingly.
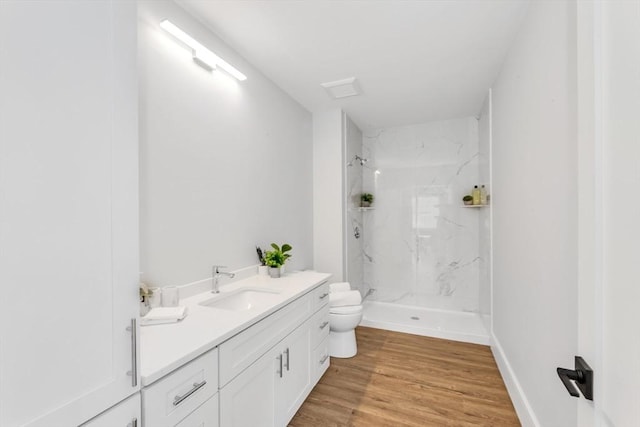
(244, 299)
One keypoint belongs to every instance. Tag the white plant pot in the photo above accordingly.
(274, 272)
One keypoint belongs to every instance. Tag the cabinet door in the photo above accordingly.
(249, 400)
(68, 209)
(124, 414)
(295, 384)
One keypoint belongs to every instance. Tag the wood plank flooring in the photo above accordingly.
(408, 380)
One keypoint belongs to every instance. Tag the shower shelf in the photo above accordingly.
(360, 209)
(474, 206)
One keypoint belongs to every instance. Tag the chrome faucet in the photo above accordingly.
(216, 275)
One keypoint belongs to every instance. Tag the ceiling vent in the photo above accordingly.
(342, 88)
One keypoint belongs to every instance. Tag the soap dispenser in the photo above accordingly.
(483, 195)
(475, 194)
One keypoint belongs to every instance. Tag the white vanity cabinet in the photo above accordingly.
(320, 333)
(250, 399)
(124, 414)
(272, 389)
(294, 371)
(277, 380)
(206, 415)
(186, 397)
(319, 343)
(259, 372)
(69, 210)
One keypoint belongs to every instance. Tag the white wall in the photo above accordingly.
(225, 165)
(534, 203)
(328, 193)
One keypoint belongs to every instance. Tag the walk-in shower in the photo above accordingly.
(421, 258)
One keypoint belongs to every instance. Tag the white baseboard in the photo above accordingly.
(521, 404)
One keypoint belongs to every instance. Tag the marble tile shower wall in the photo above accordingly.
(420, 245)
(354, 224)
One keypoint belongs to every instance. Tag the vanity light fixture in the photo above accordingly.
(201, 55)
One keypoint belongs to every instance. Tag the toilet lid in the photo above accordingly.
(348, 309)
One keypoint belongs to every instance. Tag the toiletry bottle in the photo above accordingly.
(475, 194)
(483, 195)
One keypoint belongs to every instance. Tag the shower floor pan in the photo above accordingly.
(451, 325)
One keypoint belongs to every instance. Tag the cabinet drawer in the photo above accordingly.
(239, 352)
(175, 396)
(124, 414)
(320, 295)
(320, 360)
(319, 325)
(205, 416)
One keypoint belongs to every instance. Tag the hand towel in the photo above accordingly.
(160, 315)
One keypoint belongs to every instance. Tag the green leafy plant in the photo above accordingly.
(366, 197)
(278, 256)
(145, 292)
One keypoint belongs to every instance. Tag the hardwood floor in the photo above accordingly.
(408, 380)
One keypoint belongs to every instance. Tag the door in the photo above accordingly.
(295, 384)
(68, 209)
(249, 400)
(610, 239)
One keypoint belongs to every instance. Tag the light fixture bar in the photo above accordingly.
(201, 55)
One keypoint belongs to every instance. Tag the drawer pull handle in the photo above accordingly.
(280, 360)
(324, 359)
(323, 296)
(324, 325)
(133, 423)
(287, 351)
(196, 386)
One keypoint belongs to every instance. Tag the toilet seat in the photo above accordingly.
(349, 309)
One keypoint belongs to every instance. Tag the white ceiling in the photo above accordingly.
(415, 61)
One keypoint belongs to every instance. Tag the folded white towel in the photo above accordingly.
(341, 299)
(160, 315)
(339, 287)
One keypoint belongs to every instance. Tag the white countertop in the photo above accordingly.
(164, 348)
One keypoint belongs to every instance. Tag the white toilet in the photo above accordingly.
(345, 313)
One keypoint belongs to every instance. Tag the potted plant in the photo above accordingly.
(366, 199)
(467, 200)
(276, 258)
(145, 295)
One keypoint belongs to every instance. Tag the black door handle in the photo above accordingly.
(583, 377)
